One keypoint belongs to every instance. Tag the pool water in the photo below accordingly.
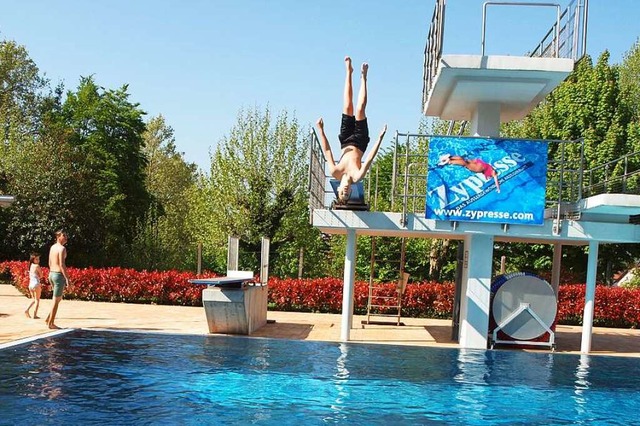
(100, 377)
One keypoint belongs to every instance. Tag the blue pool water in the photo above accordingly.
(96, 377)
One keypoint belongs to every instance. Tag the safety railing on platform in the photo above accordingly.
(568, 181)
(555, 38)
(321, 195)
(410, 166)
(621, 176)
(317, 183)
(567, 38)
(433, 50)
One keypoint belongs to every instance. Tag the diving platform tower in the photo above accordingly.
(486, 91)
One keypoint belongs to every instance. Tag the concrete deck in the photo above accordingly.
(14, 325)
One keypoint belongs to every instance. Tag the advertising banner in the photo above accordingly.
(486, 180)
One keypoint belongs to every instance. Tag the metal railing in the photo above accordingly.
(567, 38)
(621, 175)
(317, 182)
(568, 180)
(409, 191)
(433, 50)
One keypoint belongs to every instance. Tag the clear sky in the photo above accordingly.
(198, 62)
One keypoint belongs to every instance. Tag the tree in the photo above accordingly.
(21, 88)
(630, 78)
(164, 240)
(593, 105)
(107, 130)
(50, 194)
(257, 188)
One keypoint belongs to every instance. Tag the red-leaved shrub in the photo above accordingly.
(614, 306)
(116, 285)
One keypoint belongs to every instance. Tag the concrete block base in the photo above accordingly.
(235, 310)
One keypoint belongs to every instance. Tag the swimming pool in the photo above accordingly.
(101, 377)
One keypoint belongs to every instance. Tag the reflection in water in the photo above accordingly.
(340, 381)
(472, 389)
(96, 377)
(53, 378)
(581, 385)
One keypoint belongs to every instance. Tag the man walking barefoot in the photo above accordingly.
(58, 276)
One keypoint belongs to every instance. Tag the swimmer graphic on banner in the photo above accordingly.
(487, 180)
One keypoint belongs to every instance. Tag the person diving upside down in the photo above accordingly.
(354, 136)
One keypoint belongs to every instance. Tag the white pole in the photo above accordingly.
(556, 266)
(347, 290)
(589, 298)
(199, 254)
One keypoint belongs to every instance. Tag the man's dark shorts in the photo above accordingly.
(354, 133)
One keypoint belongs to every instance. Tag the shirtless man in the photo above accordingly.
(354, 136)
(58, 276)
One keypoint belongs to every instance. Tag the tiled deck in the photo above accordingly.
(14, 325)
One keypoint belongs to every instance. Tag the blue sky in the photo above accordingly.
(198, 62)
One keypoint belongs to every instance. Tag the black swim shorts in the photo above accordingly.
(354, 133)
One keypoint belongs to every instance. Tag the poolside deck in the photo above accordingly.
(14, 325)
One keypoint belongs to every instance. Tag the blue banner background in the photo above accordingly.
(456, 193)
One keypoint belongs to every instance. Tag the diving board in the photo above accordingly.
(356, 197)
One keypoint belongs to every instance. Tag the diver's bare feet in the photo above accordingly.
(364, 69)
(347, 62)
(27, 314)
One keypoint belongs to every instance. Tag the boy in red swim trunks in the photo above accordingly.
(354, 137)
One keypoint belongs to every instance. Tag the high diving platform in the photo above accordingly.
(507, 86)
(577, 206)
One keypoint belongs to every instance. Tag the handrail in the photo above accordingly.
(566, 185)
(617, 160)
(569, 34)
(564, 181)
(316, 175)
(510, 3)
(433, 49)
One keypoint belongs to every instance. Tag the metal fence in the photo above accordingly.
(567, 38)
(433, 50)
(568, 181)
(409, 187)
(621, 176)
(317, 183)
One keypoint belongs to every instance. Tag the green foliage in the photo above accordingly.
(107, 130)
(593, 104)
(630, 77)
(51, 194)
(21, 91)
(163, 240)
(257, 188)
(634, 282)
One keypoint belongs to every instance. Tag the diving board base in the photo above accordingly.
(235, 310)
